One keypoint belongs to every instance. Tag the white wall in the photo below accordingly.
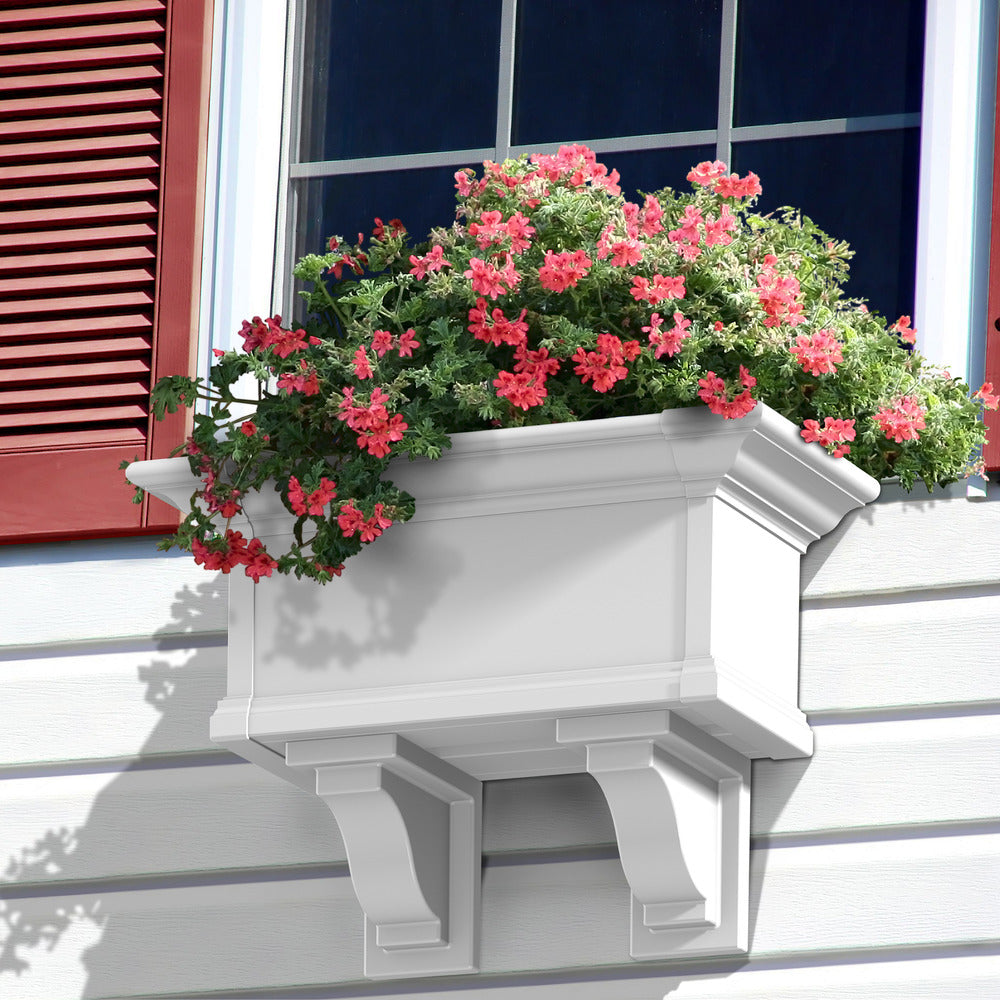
(145, 862)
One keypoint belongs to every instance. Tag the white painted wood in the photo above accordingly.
(908, 772)
(903, 894)
(680, 802)
(122, 700)
(916, 544)
(412, 827)
(100, 590)
(105, 701)
(240, 236)
(947, 226)
(898, 653)
(59, 973)
(240, 817)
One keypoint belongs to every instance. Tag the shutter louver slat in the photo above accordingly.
(80, 78)
(30, 333)
(103, 124)
(110, 346)
(92, 189)
(41, 39)
(62, 238)
(77, 261)
(115, 167)
(87, 146)
(35, 62)
(64, 282)
(65, 14)
(77, 213)
(143, 97)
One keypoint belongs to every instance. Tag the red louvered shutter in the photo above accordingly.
(991, 454)
(103, 115)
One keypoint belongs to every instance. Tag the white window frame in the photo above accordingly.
(247, 238)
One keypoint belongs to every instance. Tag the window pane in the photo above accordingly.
(860, 187)
(808, 61)
(598, 70)
(347, 205)
(398, 77)
(652, 169)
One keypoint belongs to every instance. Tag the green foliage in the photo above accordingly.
(399, 348)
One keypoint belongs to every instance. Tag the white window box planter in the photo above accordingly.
(615, 596)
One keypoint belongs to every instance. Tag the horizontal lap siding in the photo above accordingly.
(874, 863)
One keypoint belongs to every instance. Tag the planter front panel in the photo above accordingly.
(483, 597)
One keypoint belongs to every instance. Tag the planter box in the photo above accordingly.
(615, 596)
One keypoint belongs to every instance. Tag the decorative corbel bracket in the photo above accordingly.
(411, 824)
(680, 801)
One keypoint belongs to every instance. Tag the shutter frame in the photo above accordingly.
(991, 453)
(65, 483)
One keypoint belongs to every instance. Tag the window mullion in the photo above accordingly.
(727, 72)
(505, 79)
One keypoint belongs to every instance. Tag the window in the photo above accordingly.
(105, 109)
(810, 97)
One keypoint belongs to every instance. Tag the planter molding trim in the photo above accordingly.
(616, 596)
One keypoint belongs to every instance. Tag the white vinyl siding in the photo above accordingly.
(131, 840)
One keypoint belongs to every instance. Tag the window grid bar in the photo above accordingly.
(619, 144)
(828, 126)
(505, 79)
(727, 81)
(378, 164)
(628, 143)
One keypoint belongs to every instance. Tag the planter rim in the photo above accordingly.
(758, 463)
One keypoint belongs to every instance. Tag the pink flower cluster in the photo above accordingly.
(352, 521)
(396, 228)
(432, 261)
(605, 366)
(778, 295)
(356, 262)
(663, 287)
(306, 381)
(525, 387)
(819, 353)
(310, 503)
(714, 176)
(492, 228)
(490, 280)
(688, 235)
(714, 393)
(224, 504)
(667, 341)
(495, 328)
(234, 550)
(832, 435)
(563, 270)
(985, 395)
(901, 420)
(372, 423)
(578, 165)
(267, 333)
(902, 328)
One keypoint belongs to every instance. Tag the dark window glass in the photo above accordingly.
(652, 169)
(800, 61)
(597, 70)
(860, 187)
(398, 77)
(347, 205)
